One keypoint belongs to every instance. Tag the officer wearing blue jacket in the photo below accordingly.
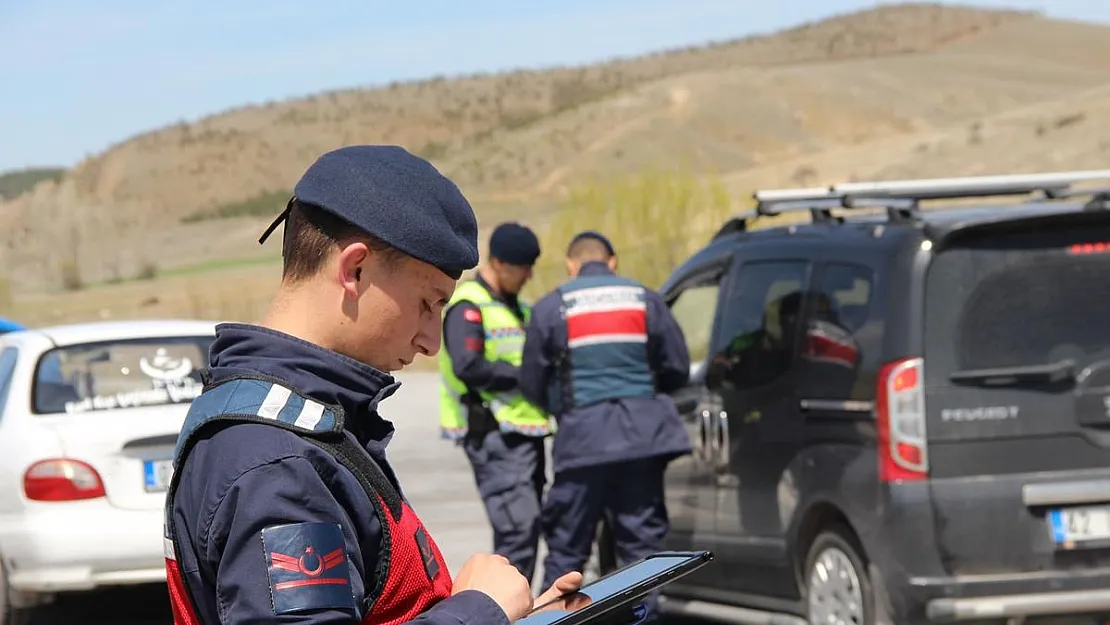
(601, 352)
(283, 506)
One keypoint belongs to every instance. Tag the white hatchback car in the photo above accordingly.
(89, 415)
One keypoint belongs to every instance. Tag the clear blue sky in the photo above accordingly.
(79, 75)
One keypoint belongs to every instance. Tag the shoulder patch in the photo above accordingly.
(307, 567)
(473, 315)
(431, 566)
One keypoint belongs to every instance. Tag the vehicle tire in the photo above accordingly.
(838, 590)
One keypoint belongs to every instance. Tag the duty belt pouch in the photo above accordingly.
(479, 419)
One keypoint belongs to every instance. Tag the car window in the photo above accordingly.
(120, 374)
(759, 327)
(8, 358)
(1022, 298)
(843, 335)
(694, 310)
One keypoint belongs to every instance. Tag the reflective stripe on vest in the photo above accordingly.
(607, 358)
(398, 596)
(504, 341)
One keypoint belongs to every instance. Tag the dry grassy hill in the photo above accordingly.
(237, 155)
(900, 90)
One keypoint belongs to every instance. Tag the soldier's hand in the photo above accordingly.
(500, 580)
(568, 583)
(563, 596)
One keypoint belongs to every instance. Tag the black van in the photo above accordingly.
(901, 409)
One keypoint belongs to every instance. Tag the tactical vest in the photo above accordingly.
(394, 593)
(504, 340)
(606, 354)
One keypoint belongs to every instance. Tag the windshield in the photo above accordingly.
(1027, 302)
(120, 374)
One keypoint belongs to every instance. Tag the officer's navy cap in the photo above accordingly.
(515, 244)
(398, 197)
(595, 235)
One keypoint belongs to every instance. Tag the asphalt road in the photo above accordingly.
(436, 479)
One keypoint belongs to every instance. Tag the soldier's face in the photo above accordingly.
(395, 312)
(512, 278)
(411, 313)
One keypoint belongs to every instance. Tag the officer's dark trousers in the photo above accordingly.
(631, 492)
(509, 470)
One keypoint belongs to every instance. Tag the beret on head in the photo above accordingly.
(398, 197)
(515, 244)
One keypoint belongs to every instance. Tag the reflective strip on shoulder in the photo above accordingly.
(271, 401)
(243, 398)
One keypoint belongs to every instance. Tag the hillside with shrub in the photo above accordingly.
(655, 149)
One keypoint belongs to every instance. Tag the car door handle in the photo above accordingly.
(705, 436)
(723, 443)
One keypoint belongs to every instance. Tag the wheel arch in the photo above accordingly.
(817, 517)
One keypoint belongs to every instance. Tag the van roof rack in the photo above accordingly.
(900, 197)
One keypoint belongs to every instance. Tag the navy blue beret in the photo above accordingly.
(595, 235)
(515, 244)
(398, 197)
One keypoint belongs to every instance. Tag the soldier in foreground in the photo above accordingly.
(283, 507)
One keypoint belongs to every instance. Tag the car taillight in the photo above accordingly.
(62, 479)
(900, 410)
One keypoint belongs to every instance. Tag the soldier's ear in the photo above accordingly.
(612, 262)
(349, 267)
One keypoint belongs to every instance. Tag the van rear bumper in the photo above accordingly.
(950, 600)
(1008, 606)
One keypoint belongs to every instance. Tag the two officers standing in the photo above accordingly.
(600, 354)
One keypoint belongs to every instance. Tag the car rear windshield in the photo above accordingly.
(1028, 298)
(120, 374)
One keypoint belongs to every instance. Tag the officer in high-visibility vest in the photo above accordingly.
(480, 405)
(283, 507)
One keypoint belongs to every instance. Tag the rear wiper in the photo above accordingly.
(1052, 372)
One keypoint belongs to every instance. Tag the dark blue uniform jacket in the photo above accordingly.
(245, 477)
(620, 429)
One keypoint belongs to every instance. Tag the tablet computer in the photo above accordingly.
(618, 591)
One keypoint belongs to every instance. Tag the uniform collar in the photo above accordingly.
(512, 301)
(323, 375)
(594, 268)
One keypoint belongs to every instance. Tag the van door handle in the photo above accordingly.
(705, 437)
(724, 443)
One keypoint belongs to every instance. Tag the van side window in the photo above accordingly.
(842, 338)
(694, 310)
(759, 329)
(8, 358)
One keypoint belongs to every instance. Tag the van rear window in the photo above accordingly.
(120, 374)
(1018, 299)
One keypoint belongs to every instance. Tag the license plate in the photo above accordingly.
(156, 474)
(1080, 525)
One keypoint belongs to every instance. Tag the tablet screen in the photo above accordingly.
(613, 585)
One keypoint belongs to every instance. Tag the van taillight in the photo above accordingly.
(900, 411)
(62, 479)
